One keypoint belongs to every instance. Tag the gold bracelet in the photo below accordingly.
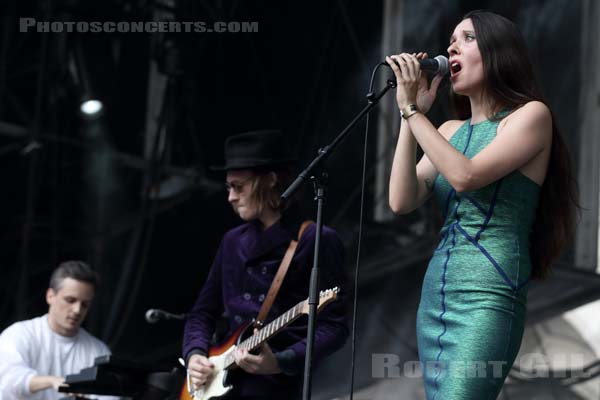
(409, 110)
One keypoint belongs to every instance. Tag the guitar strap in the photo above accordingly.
(278, 280)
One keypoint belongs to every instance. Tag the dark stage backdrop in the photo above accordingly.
(77, 188)
(79, 191)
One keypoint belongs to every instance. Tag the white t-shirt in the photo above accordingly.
(30, 348)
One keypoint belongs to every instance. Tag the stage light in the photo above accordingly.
(91, 107)
(85, 81)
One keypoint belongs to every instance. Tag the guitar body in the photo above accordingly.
(222, 358)
(217, 386)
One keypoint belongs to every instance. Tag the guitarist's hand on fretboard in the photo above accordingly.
(263, 363)
(209, 376)
(200, 370)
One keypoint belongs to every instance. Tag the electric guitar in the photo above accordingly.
(222, 356)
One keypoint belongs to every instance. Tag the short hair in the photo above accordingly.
(74, 269)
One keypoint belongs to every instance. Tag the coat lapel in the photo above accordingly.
(268, 241)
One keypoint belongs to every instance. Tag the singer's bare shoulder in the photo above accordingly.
(449, 128)
(534, 113)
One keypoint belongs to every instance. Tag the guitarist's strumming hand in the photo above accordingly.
(263, 363)
(200, 370)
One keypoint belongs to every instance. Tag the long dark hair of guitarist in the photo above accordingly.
(268, 364)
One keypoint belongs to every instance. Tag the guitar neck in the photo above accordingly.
(268, 331)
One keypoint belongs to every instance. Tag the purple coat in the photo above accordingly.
(238, 282)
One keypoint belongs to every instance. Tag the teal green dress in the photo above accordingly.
(471, 315)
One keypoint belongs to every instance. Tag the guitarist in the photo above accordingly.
(258, 166)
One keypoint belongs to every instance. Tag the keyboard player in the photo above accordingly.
(36, 354)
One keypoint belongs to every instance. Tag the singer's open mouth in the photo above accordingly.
(455, 67)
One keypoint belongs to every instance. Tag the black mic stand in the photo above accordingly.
(319, 184)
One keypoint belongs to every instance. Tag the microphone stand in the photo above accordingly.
(319, 184)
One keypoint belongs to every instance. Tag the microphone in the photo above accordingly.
(154, 315)
(438, 65)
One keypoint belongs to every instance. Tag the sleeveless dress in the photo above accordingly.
(471, 315)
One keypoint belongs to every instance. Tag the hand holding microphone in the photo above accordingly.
(413, 87)
(438, 65)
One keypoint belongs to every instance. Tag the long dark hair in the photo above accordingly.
(510, 82)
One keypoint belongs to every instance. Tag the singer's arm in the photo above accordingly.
(521, 137)
(411, 183)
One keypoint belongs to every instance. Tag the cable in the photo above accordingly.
(360, 228)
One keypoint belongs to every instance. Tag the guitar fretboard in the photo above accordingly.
(267, 331)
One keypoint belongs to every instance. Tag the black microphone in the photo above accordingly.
(154, 315)
(438, 65)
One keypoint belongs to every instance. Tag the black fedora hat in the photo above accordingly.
(256, 149)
